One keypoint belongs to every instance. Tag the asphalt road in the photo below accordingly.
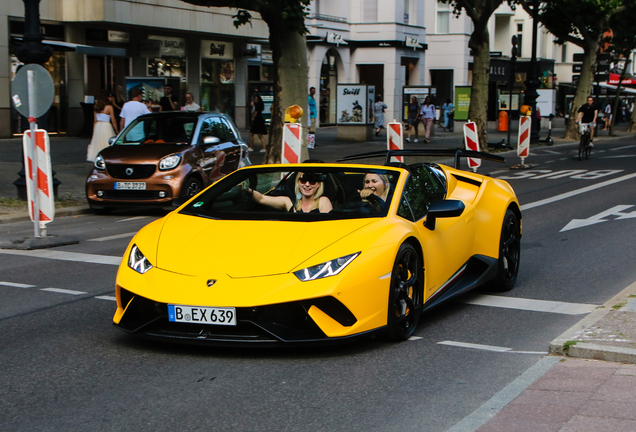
(64, 367)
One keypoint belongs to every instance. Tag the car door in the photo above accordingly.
(217, 159)
(447, 247)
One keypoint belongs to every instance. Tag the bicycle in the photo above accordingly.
(584, 145)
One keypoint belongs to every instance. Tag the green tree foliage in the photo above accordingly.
(583, 23)
(286, 22)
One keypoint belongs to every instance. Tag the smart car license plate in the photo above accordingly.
(202, 315)
(130, 185)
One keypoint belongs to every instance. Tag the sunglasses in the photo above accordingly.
(312, 181)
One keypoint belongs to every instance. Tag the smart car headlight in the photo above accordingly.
(99, 162)
(137, 261)
(169, 162)
(326, 269)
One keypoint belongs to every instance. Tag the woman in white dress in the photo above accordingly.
(104, 127)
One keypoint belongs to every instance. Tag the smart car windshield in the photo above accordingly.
(158, 129)
(313, 194)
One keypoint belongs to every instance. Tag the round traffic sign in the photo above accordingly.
(43, 90)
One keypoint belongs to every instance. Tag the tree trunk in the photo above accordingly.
(291, 71)
(478, 110)
(583, 90)
(618, 97)
(632, 120)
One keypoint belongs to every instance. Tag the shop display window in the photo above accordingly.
(217, 86)
(166, 66)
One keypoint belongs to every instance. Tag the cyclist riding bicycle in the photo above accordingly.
(587, 114)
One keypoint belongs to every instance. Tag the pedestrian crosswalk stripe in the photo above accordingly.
(529, 304)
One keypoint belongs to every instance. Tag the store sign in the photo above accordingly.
(170, 46)
(118, 36)
(412, 42)
(352, 104)
(217, 50)
(335, 38)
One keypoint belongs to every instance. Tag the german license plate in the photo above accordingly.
(202, 315)
(130, 185)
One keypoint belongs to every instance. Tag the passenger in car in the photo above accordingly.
(308, 194)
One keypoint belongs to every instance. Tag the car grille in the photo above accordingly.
(118, 171)
(131, 194)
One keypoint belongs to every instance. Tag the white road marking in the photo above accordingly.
(576, 192)
(113, 237)
(530, 304)
(550, 151)
(132, 218)
(598, 218)
(64, 291)
(623, 148)
(489, 348)
(619, 156)
(65, 256)
(111, 298)
(16, 285)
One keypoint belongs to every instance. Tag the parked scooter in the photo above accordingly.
(548, 140)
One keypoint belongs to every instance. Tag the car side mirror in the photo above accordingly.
(111, 140)
(211, 140)
(443, 209)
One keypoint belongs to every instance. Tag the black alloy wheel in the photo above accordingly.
(406, 295)
(191, 187)
(509, 252)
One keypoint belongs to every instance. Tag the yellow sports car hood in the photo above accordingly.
(198, 246)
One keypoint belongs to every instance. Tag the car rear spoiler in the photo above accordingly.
(456, 153)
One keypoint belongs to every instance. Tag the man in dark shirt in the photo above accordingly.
(169, 102)
(587, 114)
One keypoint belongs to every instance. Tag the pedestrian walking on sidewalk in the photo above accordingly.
(258, 123)
(427, 114)
(414, 118)
(447, 108)
(104, 127)
(378, 114)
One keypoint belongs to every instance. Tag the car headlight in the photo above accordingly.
(169, 162)
(326, 269)
(99, 162)
(137, 261)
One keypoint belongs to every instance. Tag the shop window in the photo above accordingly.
(167, 66)
(217, 86)
(253, 73)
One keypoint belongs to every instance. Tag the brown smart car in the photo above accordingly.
(161, 157)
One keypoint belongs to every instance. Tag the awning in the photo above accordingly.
(613, 87)
(84, 49)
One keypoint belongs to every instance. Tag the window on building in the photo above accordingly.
(443, 17)
(407, 11)
(167, 66)
(370, 11)
(519, 39)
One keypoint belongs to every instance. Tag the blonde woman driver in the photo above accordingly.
(308, 192)
(375, 184)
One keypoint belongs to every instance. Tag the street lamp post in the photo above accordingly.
(532, 83)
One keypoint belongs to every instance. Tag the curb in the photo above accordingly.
(593, 350)
(24, 216)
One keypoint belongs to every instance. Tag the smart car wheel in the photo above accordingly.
(191, 187)
(509, 252)
(405, 297)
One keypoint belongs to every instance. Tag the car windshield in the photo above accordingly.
(159, 129)
(278, 194)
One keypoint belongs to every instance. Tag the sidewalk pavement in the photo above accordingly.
(588, 383)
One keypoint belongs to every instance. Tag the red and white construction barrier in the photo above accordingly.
(523, 143)
(471, 141)
(44, 195)
(394, 139)
(292, 133)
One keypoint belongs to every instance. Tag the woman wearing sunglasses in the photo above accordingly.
(308, 193)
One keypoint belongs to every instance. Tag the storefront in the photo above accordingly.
(217, 76)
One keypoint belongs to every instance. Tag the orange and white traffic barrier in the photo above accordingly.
(395, 139)
(471, 140)
(292, 133)
(523, 142)
(44, 195)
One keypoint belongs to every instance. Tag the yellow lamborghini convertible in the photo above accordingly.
(319, 252)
